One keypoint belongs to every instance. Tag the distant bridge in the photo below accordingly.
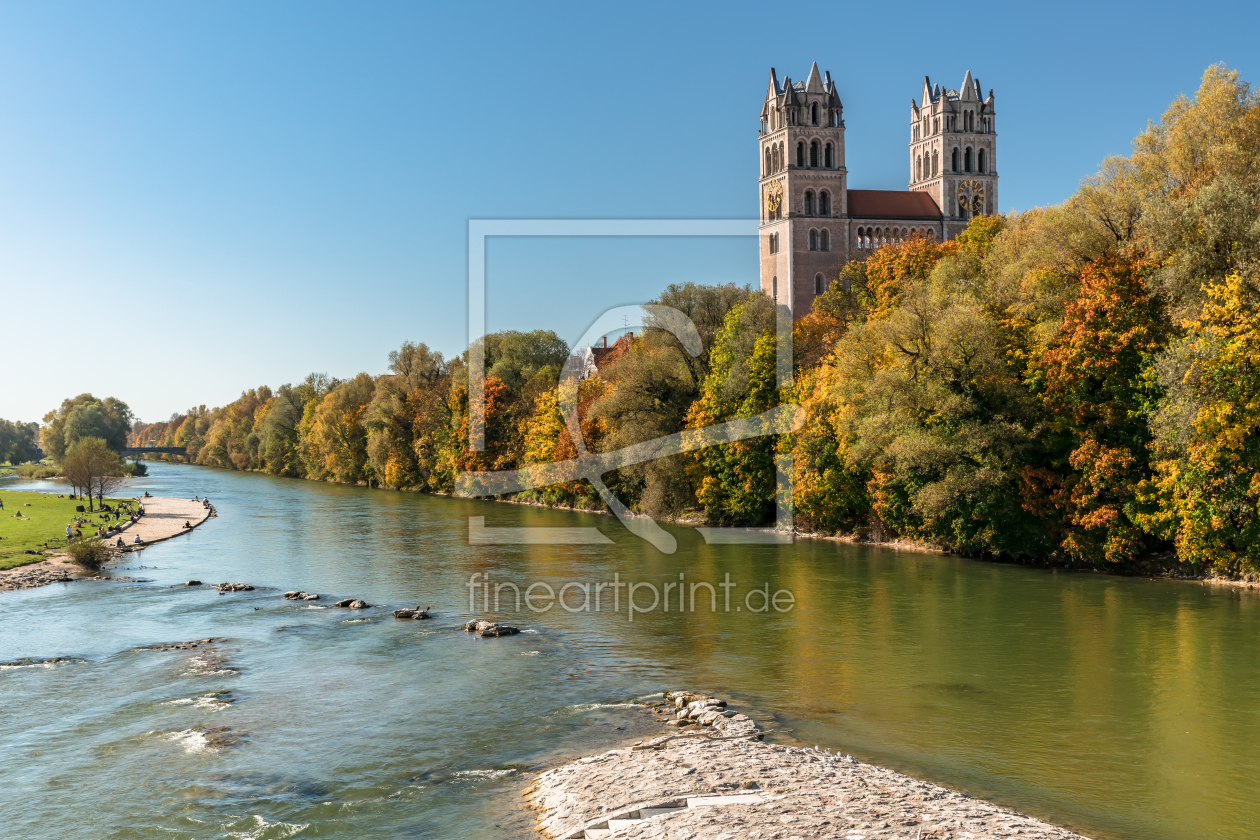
(154, 450)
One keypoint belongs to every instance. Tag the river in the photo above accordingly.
(1121, 708)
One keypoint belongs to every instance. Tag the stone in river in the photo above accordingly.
(490, 628)
(417, 613)
(300, 596)
(193, 582)
(353, 604)
(235, 587)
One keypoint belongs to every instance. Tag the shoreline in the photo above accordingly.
(1133, 570)
(720, 780)
(163, 520)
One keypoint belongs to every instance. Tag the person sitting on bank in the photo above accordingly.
(137, 540)
(186, 524)
(120, 543)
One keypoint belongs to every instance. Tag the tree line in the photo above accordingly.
(1078, 382)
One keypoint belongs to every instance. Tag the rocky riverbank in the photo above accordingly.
(719, 779)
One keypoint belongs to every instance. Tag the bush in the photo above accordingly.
(90, 552)
(135, 469)
(37, 471)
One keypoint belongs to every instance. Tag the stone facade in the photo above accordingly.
(811, 223)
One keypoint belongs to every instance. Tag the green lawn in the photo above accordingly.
(44, 519)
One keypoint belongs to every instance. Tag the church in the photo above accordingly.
(811, 223)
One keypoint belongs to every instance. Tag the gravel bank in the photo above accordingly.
(724, 782)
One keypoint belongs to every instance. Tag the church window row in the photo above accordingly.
(826, 160)
(951, 124)
(773, 243)
(927, 165)
(819, 156)
(819, 240)
(819, 205)
(869, 238)
(817, 116)
(774, 158)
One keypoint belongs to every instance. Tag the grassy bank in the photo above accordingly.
(44, 519)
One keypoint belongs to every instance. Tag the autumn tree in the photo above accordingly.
(1207, 485)
(1092, 375)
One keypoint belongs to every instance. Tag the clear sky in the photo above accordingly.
(199, 198)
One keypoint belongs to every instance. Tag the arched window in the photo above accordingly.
(814, 113)
(824, 241)
(918, 168)
(980, 161)
(813, 240)
(769, 161)
(800, 155)
(954, 161)
(936, 162)
(809, 203)
(818, 284)
(967, 160)
(774, 288)
(813, 155)
(827, 159)
(824, 204)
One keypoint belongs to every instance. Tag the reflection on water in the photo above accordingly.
(1124, 708)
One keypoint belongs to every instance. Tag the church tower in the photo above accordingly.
(953, 151)
(803, 189)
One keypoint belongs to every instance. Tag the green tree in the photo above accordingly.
(85, 416)
(736, 482)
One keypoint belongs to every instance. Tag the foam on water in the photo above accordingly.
(587, 707)
(192, 740)
(484, 774)
(257, 828)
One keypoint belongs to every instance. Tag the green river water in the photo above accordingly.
(1122, 708)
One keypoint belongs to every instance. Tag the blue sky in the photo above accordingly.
(201, 198)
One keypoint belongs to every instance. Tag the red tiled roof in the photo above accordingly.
(892, 204)
(605, 356)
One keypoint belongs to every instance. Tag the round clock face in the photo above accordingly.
(971, 196)
(774, 196)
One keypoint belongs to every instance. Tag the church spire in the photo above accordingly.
(969, 93)
(814, 83)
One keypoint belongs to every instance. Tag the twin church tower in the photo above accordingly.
(812, 223)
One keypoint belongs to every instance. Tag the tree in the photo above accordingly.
(1094, 397)
(735, 482)
(335, 438)
(85, 416)
(92, 468)
(17, 442)
(1207, 486)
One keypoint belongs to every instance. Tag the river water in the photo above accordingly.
(1118, 707)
